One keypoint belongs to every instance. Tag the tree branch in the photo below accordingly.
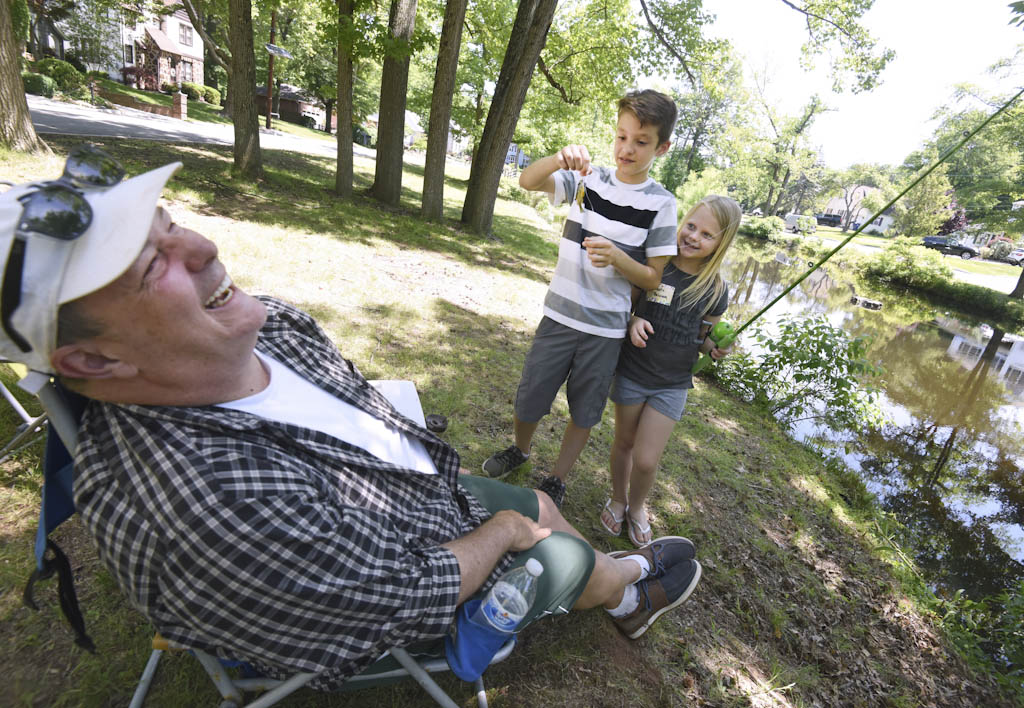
(809, 14)
(551, 80)
(664, 40)
(222, 57)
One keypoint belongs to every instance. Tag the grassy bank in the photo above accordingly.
(803, 601)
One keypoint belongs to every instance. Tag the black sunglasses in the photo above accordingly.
(57, 209)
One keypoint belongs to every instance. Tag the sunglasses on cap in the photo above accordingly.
(56, 209)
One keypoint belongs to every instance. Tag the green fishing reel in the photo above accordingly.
(722, 334)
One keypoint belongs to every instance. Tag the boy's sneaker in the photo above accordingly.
(658, 596)
(554, 488)
(662, 553)
(501, 463)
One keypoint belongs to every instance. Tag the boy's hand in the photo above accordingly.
(639, 330)
(574, 157)
(602, 252)
(717, 353)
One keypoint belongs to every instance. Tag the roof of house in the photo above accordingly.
(166, 44)
(292, 93)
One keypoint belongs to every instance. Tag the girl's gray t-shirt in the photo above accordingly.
(672, 348)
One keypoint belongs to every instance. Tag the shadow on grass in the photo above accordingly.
(295, 193)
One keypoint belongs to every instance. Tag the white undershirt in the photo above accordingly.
(289, 398)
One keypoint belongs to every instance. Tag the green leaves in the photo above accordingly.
(809, 369)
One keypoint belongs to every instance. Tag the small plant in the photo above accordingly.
(192, 90)
(211, 95)
(905, 262)
(68, 78)
(168, 87)
(129, 75)
(808, 370)
(38, 84)
(806, 225)
(762, 226)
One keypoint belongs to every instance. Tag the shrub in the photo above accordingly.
(904, 262)
(67, 77)
(38, 84)
(73, 59)
(96, 75)
(193, 91)
(129, 75)
(211, 95)
(420, 143)
(809, 370)
(762, 226)
(169, 88)
(999, 250)
(806, 225)
(510, 189)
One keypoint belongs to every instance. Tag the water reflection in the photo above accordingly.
(949, 465)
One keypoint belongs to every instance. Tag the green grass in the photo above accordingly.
(798, 606)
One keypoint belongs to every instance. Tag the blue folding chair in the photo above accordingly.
(64, 409)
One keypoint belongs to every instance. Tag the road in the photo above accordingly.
(62, 118)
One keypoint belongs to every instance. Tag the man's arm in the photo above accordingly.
(481, 549)
(646, 276)
(537, 177)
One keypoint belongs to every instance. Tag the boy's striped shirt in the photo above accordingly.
(640, 219)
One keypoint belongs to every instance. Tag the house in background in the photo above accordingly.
(166, 49)
(296, 105)
(857, 213)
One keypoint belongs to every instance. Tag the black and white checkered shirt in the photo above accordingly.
(263, 541)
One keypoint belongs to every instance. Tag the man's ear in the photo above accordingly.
(80, 361)
(663, 148)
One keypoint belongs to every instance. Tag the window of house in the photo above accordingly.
(186, 71)
(185, 35)
(129, 55)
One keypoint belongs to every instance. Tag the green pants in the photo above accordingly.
(567, 560)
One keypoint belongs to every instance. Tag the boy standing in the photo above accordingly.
(621, 230)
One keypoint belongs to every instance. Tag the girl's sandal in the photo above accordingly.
(616, 520)
(637, 531)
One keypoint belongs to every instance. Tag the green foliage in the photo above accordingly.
(998, 251)
(192, 90)
(990, 633)
(38, 84)
(510, 189)
(762, 226)
(20, 20)
(806, 225)
(922, 210)
(808, 370)
(168, 87)
(905, 262)
(211, 95)
(68, 78)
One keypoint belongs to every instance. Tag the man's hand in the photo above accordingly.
(574, 157)
(602, 252)
(639, 330)
(524, 532)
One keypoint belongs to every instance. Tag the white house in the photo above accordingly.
(166, 49)
(858, 213)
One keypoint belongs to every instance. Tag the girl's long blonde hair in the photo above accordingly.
(708, 281)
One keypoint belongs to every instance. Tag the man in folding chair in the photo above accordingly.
(251, 494)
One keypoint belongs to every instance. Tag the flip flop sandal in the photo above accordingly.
(634, 526)
(617, 519)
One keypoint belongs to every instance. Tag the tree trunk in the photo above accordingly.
(387, 179)
(343, 166)
(16, 129)
(270, 69)
(529, 33)
(441, 109)
(329, 112)
(1018, 290)
(248, 160)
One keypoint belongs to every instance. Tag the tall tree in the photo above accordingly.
(346, 42)
(387, 182)
(852, 186)
(240, 64)
(441, 108)
(926, 206)
(16, 129)
(529, 33)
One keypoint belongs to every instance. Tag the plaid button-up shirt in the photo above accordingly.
(263, 541)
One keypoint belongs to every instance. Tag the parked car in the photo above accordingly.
(829, 219)
(1016, 257)
(945, 244)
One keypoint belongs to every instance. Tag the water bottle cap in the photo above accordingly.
(534, 567)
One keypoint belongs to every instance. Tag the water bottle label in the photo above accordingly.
(499, 617)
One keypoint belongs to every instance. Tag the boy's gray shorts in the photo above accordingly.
(561, 353)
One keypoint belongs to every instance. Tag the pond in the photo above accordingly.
(949, 463)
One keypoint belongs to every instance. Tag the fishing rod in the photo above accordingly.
(723, 334)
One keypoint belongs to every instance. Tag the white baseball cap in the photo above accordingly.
(56, 271)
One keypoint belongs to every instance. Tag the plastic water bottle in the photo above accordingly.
(510, 598)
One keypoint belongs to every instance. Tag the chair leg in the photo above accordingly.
(481, 692)
(139, 697)
(423, 678)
